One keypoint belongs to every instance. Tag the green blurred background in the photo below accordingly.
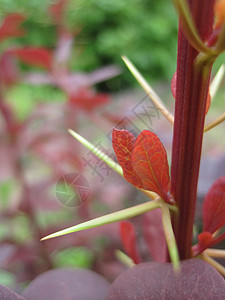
(143, 30)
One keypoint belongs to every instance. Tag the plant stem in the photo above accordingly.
(214, 263)
(191, 94)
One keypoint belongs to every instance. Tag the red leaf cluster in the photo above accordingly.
(143, 160)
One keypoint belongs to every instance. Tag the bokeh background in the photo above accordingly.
(60, 68)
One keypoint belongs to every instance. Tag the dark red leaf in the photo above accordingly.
(67, 284)
(10, 26)
(128, 236)
(149, 162)
(9, 74)
(197, 280)
(34, 56)
(154, 235)
(214, 206)
(123, 143)
(88, 100)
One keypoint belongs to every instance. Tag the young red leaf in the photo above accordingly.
(123, 143)
(149, 162)
(34, 56)
(214, 206)
(128, 236)
(154, 235)
(10, 26)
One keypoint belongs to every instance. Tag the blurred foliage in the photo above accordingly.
(143, 30)
(79, 257)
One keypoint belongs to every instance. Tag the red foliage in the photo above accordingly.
(123, 144)
(128, 236)
(213, 217)
(149, 161)
(214, 206)
(9, 73)
(144, 161)
(57, 9)
(11, 26)
(87, 100)
(34, 56)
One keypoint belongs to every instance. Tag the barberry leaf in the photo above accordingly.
(10, 26)
(123, 143)
(149, 161)
(128, 236)
(214, 206)
(34, 56)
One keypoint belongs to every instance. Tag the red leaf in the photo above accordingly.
(57, 9)
(154, 235)
(9, 73)
(34, 56)
(205, 240)
(123, 143)
(214, 206)
(88, 100)
(128, 236)
(149, 162)
(10, 26)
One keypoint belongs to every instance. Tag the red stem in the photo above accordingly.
(191, 94)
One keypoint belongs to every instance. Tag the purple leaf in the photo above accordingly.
(197, 280)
